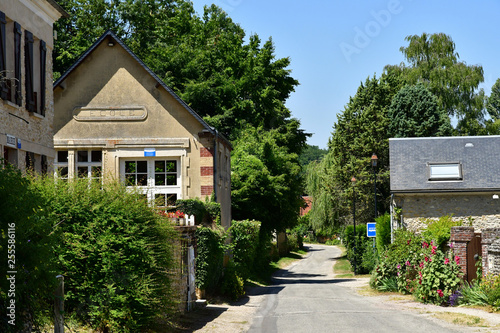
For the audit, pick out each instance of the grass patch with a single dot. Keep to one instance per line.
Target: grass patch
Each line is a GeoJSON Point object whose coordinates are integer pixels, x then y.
{"type": "Point", "coordinates": [287, 260]}
{"type": "Point", "coordinates": [462, 319]}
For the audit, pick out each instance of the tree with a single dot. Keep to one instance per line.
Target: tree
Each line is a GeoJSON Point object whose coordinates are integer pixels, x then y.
{"type": "Point", "coordinates": [311, 153]}
{"type": "Point", "coordinates": [265, 184]}
{"type": "Point", "coordinates": [493, 108]}
{"type": "Point", "coordinates": [433, 61]}
{"type": "Point", "coordinates": [414, 112]}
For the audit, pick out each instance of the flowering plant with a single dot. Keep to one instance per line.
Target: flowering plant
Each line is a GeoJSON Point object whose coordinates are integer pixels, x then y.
{"type": "Point", "coordinates": [171, 215]}
{"type": "Point", "coordinates": [438, 277]}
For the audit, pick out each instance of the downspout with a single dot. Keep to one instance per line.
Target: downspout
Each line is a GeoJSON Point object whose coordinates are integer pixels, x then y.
{"type": "Point", "coordinates": [216, 154]}
{"type": "Point", "coordinates": [392, 219]}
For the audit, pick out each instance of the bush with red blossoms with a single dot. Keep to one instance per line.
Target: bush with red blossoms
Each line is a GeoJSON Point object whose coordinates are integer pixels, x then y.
{"type": "Point", "coordinates": [439, 277]}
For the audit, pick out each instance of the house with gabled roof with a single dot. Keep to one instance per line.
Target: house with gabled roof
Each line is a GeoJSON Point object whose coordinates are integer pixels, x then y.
{"type": "Point", "coordinates": [459, 176]}
{"type": "Point", "coordinates": [454, 176]}
{"type": "Point", "coordinates": [115, 118]}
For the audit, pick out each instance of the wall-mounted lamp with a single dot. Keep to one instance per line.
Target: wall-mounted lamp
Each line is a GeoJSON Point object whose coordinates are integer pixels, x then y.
{"type": "Point", "coordinates": [111, 43]}
{"type": "Point", "coordinates": [495, 196]}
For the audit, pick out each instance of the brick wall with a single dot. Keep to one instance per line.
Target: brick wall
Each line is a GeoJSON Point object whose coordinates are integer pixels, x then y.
{"type": "Point", "coordinates": [459, 237]}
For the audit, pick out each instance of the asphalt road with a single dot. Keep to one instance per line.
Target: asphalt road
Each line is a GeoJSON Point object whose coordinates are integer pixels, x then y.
{"type": "Point", "coordinates": [307, 298]}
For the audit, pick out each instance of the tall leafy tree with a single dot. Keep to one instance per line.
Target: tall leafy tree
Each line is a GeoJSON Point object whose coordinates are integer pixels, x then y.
{"type": "Point", "coordinates": [432, 60]}
{"type": "Point", "coordinates": [415, 112]}
{"type": "Point", "coordinates": [493, 108]}
{"type": "Point", "coordinates": [266, 180]}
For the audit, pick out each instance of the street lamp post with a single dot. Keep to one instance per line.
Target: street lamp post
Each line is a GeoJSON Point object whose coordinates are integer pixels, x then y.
{"type": "Point", "coordinates": [353, 182]}
{"type": "Point", "coordinates": [374, 167]}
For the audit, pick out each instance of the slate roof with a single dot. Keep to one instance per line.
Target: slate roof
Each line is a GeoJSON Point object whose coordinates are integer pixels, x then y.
{"type": "Point", "coordinates": [478, 155]}
{"type": "Point", "coordinates": [111, 36]}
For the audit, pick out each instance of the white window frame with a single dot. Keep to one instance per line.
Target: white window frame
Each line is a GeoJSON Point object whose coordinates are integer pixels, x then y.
{"type": "Point", "coordinates": [90, 165]}
{"type": "Point", "coordinates": [445, 171]}
{"type": "Point", "coordinates": [151, 190]}
{"type": "Point", "coordinates": [61, 164]}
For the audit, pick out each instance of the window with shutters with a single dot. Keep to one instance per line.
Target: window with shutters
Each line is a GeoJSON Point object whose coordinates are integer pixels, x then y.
{"type": "Point", "coordinates": [30, 98]}
{"type": "Point", "coordinates": [17, 64]}
{"type": "Point", "coordinates": [35, 57]}
{"type": "Point", "coordinates": [3, 56]}
{"type": "Point", "coordinates": [7, 58]}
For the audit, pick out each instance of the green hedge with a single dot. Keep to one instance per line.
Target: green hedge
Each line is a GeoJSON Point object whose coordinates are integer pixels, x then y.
{"type": "Point", "coordinates": [26, 234]}
{"type": "Point", "coordinates": [114, 252]}
{"type": "Point", "coordinates": [383, 228]}
{"type": "Point", "coordinates": [210, 256]}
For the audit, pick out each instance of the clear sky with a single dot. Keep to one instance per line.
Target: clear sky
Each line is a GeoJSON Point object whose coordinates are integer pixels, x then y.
{"type": "Point", "coordinates": [335, 44]}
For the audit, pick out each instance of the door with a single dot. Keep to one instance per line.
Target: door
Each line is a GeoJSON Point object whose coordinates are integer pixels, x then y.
{"type": "Point", "coordinates": [473, 256]}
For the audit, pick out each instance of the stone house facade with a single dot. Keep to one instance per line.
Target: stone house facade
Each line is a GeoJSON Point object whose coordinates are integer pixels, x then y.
{"type": "Point", "coordinates": [455, 176]}
{"type": "Point", "coordinates": [26, 100]}
{"type": "Point", "coordinates": [114, 118]}
{"type": "Point", "coordinates": [433, 177]}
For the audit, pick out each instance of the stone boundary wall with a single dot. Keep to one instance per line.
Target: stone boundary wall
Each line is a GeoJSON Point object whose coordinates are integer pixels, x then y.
{"type": "Point", "coordinates": [490, 248]}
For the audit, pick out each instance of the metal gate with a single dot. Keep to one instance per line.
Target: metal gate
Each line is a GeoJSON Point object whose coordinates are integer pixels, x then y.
{"type": "Point", "coordinates": [473, 255]}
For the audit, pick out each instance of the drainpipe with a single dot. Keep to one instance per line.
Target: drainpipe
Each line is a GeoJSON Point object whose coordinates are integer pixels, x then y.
{"type": "Point", "coordinates": [391, 212]}
{"type": "Point", "coordinates": [216, 155]}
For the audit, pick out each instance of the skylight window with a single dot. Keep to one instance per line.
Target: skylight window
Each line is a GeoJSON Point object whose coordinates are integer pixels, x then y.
{"type": "Point", "coordinates": [445, 171]}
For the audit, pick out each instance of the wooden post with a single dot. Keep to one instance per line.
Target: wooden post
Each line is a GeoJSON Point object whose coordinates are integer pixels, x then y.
{"type": "Point", "coordinates": [59, 306]}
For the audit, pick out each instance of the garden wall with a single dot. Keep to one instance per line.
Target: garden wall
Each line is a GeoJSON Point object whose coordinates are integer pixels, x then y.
{"type": "Point", "coordinates": [461, 240]}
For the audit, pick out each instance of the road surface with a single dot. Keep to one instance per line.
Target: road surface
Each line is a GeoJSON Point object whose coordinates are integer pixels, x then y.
{"type": "Point", "coordinates": [307, 298]}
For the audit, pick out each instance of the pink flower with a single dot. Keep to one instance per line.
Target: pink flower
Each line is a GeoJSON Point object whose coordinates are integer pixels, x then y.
{"type": "Point", "coordinates": [407, 263]}
{"type": "Point", "coordinates": [451, 245]}
{"type": "Point", "coordinates": [399, 266]}
{"type": "Point", "coordinates": [434, 249]}
{"type": "Point", "coordinates": [426, 259]}
{"type": "Point", "coordinates": [440, 293]}
{"type": "Point", "coordinates": [421, 264]}
{"type": "Point", "coordinates": [425, 245]}
{"type": "Point", "coordinates": [446, 261]}
{"type": "Point", "coordinates": [457, 260]}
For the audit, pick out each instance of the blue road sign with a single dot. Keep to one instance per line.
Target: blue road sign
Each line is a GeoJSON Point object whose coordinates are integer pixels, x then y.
{"type": "Point", "coordinates": [370, 230]}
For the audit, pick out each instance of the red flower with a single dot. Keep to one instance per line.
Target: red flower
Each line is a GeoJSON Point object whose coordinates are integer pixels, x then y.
{"type": "Point", "coordinates": [421, 264]}
{"type": "Point", "coordinates": [440, 293]}
{"type": "Point", "coordinates": [446, 261]}
{"type": "Point", "coordinates": [434, 249]}
{"type": "Point", "coordinates": [425, 245]}
{"type": "Point", "coordinates": [457, 260]}
{"type": "Point", "coordinates": [408, 242]}
{"type": "Point", "coordinates": [426, 259]}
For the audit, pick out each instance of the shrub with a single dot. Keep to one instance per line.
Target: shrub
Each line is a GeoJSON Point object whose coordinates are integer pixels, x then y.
{"type": "Point", "coordinates": [439, 230]}
{"type": "Point", "coordinates": [355, 258]}
{"type": "Point", "coordinates": [26, 234]}
{"type": "Point", "coordinates": [369, 258]}
{"type": "Point", "coordinates": [438, 276]}
{"type": "Point", "coordinates": [232, 283]}
{"type": "Point", "coordinates": [383, 228]}
{"type": "Point", "coordinates": [114, 253]}
{"type": "Point", "coordinates": [209, 261]}
{"type": "Point", "coordinates": [244, 243]}
{"type": "Point", "coordinates": [491, 287]}
{"type": "Point", "coordinates": [207, 212]}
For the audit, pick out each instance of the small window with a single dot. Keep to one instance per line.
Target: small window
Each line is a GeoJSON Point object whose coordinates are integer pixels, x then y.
{"type": "Point", "coordinates": [445, 171]}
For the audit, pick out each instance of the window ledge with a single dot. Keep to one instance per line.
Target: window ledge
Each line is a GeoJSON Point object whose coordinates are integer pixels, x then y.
{"type": "Point", "coordinates": [36, 115]}
{"type": "Point", "coordinates": [10, 104]}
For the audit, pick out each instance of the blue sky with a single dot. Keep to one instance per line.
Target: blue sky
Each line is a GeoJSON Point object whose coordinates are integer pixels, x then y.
{"type": "Point", "coordinates": [334, 45]}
